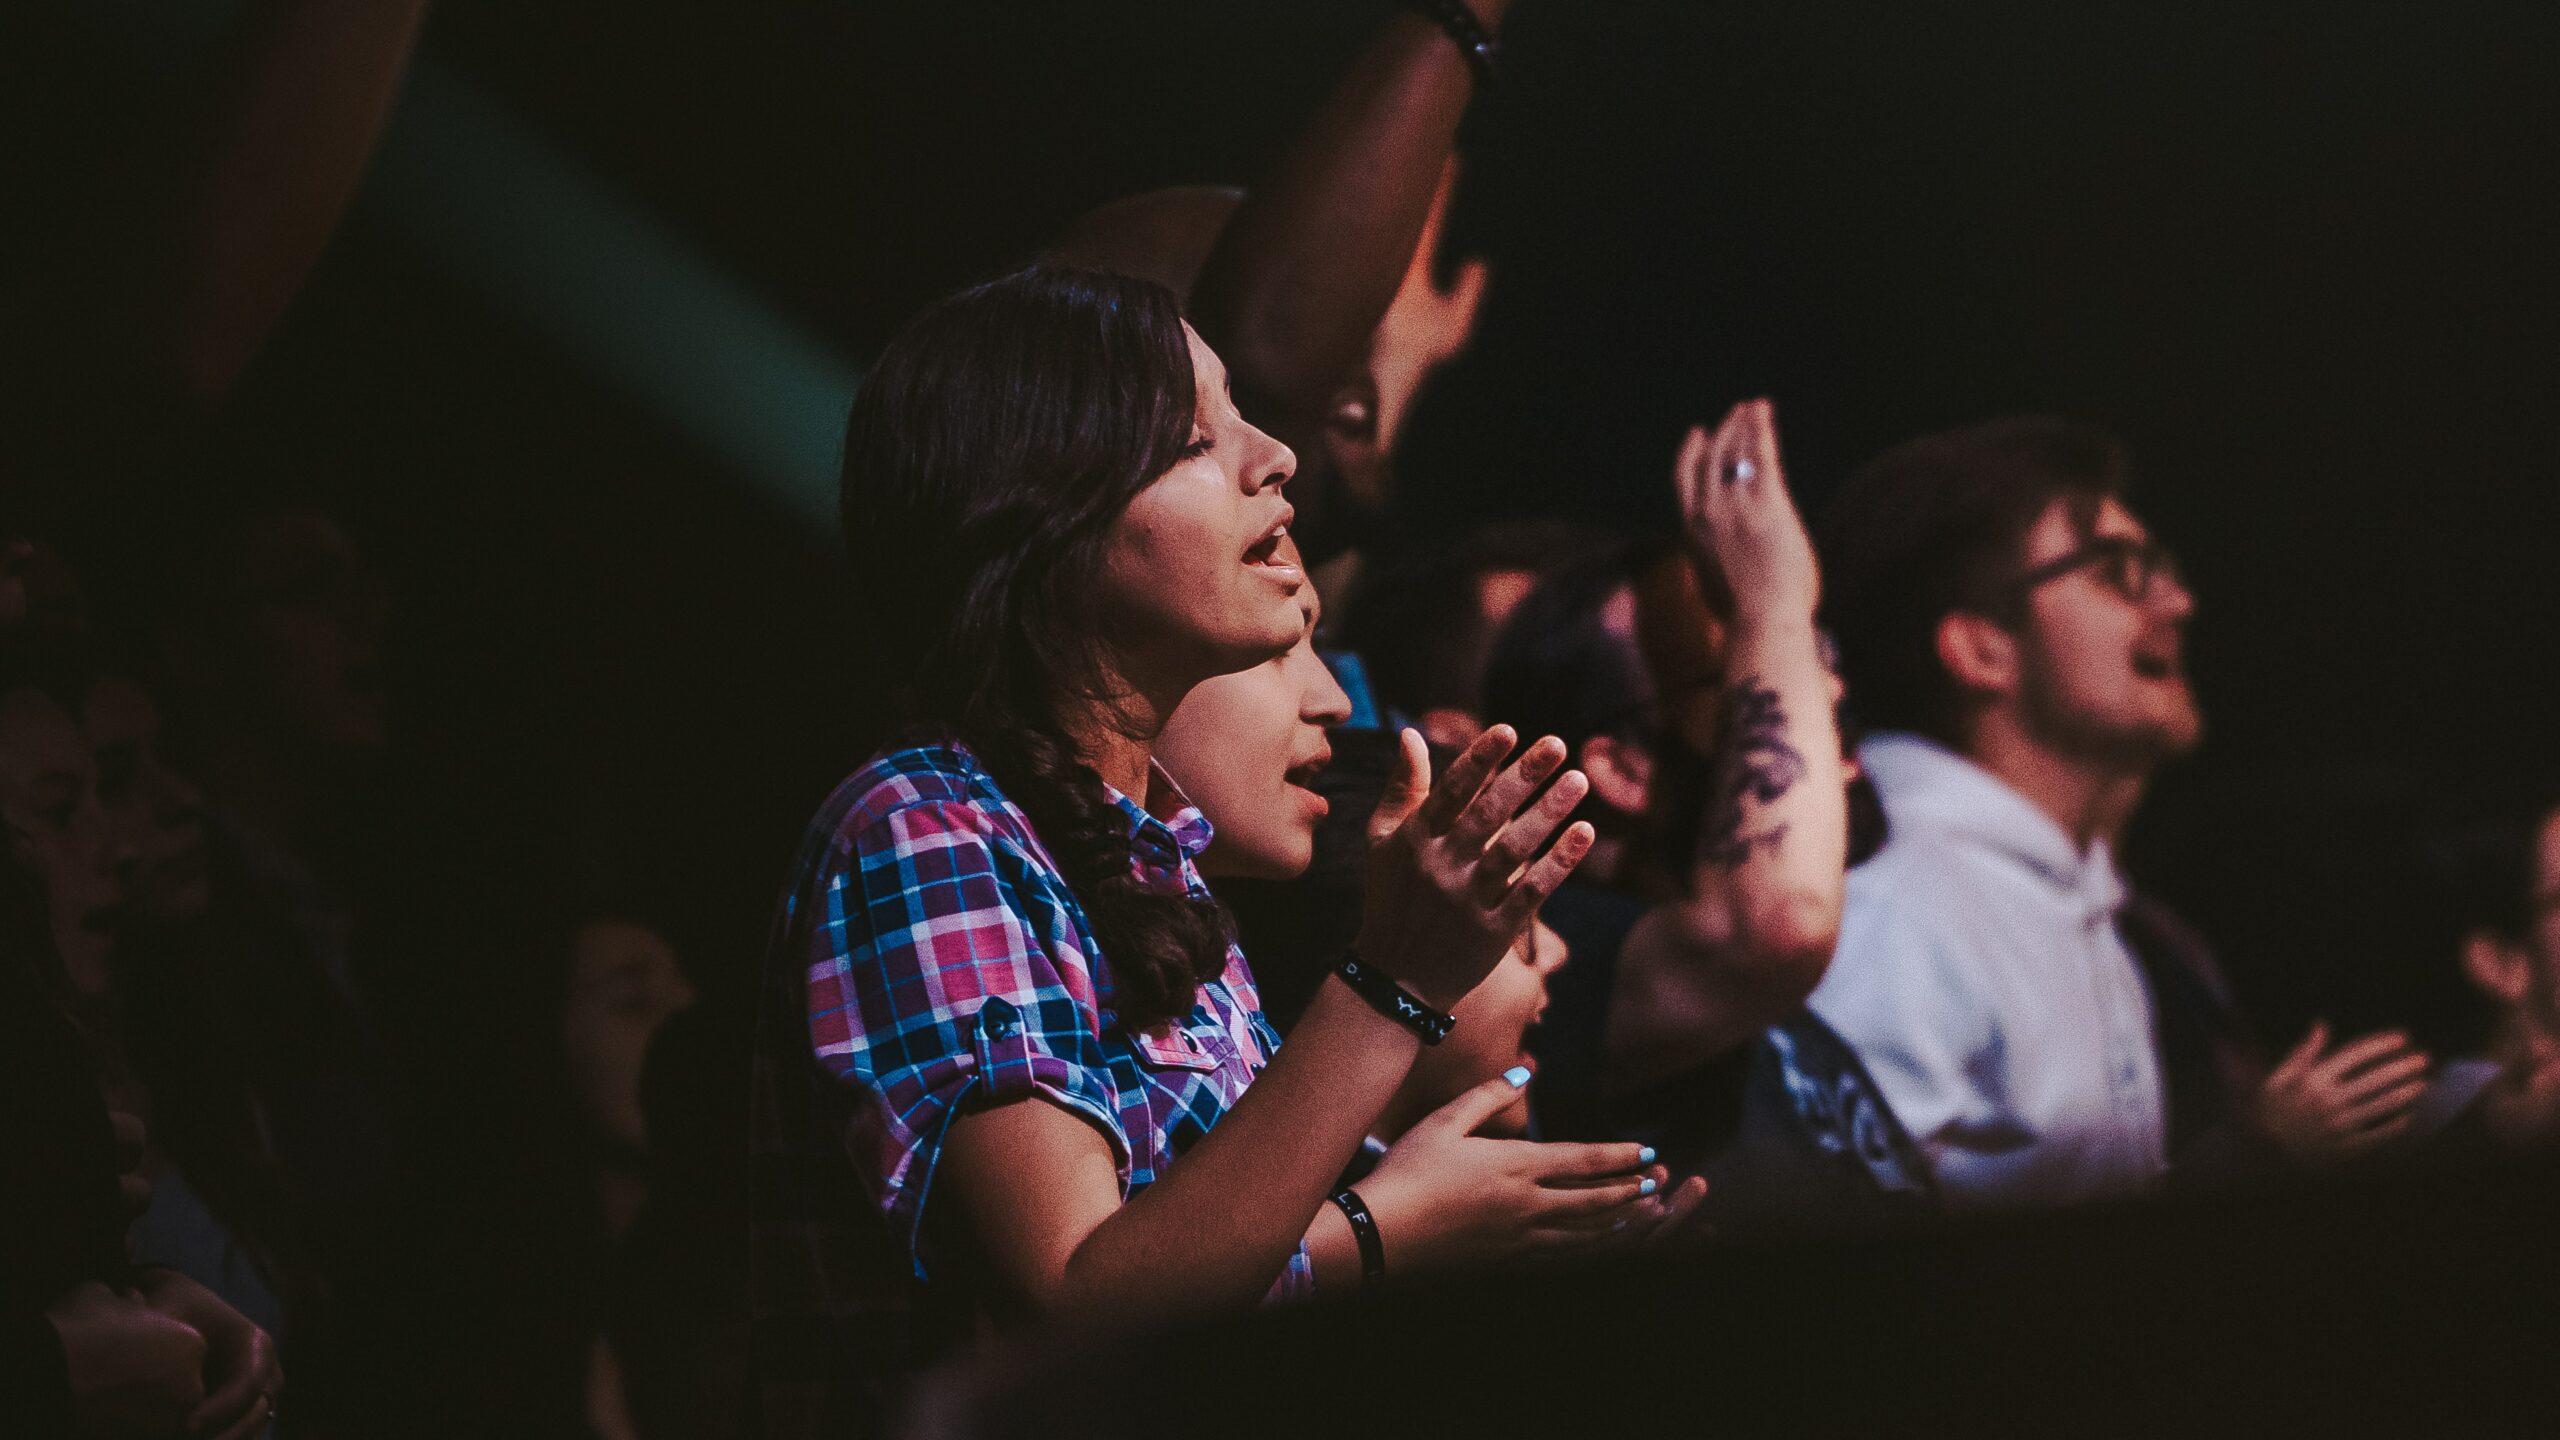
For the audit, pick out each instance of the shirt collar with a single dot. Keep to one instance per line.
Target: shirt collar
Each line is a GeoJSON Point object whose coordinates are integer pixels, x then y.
{"type": "Point", "coordinates": [1924, 785]}
{"type": "Point", "coordinates": [1169, 829]}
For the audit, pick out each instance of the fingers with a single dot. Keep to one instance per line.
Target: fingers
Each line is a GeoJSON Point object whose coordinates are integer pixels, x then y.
{"type": "Point", "coordinates": [1465, 295]}
{"type": "Point", "coordinates": [1543, 877]}
{"type": "Point", "coordinates": [1759, 437]}
{"type": "Point", "coordinates": [1474, 1107]}
{"type": "Point", "coordinates": [1677, 1208]}
{"type": "Point", "coordinates": [2374, 1109]}
{"type": "Point", "coordinates": [2355, 1055]}
{"type": "Point", "coordinates": [238, 1406]}
{"type": "Point", "coordinates": [1558, 1162]}
{"type": "Point", "coordinates": [2306, 1054]}
{"type": "Point", "coordinates": [1464, 777]}
{"type": "Point", "coordinates": [2389, 1075]}
{"type": "Point", "coordinates": [1502, 799]}
{"type": "Point", "coordinates": [251, 1424]}
{"type": "Point", "coordinates": [1689, 473]}
{"type": "Point", "coordinates": [1405, 789]}
{"type": "Point", "coordinates": [1521, 840]}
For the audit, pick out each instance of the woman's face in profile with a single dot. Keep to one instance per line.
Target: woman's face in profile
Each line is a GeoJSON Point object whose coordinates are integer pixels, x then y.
{"type": "Point", "coordinates": [1194, 580]}
{"type": "Point", "coordinates": [624, 982]}
{"type": "Point", "coordinates": [1493, 1027]}
{"type": "Point", "coordinates": [49, 797]}
{"type": "Point", "coordinates": [1247, 748]}
{"type": "Point", "coordinates": [153, 816]}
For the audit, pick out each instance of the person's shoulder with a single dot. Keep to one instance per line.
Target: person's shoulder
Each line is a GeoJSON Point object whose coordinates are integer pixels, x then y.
{"type": "Point", "coordinates": [1907, 910]}
{"type": "Point", "coordinates": [932, 775]}
{"type": "Point", "coordinates": [932, 788]}
{"type": "Point", "coordinates": [1918, 877]}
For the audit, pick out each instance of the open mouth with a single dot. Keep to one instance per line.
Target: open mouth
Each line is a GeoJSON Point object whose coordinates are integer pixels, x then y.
{"type": "Point", "coordinates": [1265, 550]}
{"type": "Point", "coordinates": [1304, 773]}
{"type": "Point", "coordinates": [2155, 666]}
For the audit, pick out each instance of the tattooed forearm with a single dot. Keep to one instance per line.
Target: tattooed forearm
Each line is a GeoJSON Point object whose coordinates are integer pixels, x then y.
{"type": "Point", "coordinates": [1755, 766]}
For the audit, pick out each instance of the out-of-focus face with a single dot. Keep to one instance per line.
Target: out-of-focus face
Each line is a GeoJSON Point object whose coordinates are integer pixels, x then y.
{"type": "Point", "coordinates": [1247, 748]}
{"type": "Point", "coordinates": [1194, 583]}
{"type": "Point", "coordinates": [1492, 1030]}
{"type": "Point", "coordinates": [2101, 674]}
{"type": "Point", "coordinates": [49, 798]}
{"type": "Point", "coordinates": [298, 638]}
{"type": "Point", "coordinates": [154, 818]}
{"type": "Point", "coordinates": [624, 982]}
{"type": "Point", "coordinates": [1497, 593]}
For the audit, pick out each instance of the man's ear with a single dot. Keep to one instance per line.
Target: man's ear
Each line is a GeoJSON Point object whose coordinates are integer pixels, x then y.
{"type": "Point", "coordinates": [1978, 653]}
{"type": "Point", "coordinates": [1621, 773]}
{"type": "Point", "coordinates": [2499, 967]}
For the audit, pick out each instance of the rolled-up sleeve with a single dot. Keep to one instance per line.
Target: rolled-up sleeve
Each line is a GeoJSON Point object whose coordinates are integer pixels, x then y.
{"type": "Point", "coordinates": [937, 984]}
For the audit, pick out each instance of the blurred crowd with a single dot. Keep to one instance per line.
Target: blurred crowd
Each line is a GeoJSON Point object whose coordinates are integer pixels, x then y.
{"type": "Point", "coordinates": [1229, 909]}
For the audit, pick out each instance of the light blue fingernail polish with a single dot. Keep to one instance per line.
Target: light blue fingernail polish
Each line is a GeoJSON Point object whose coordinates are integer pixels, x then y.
{"type": "Point", "coordinates": [1518, 1075]}
{"type": "Point", "coordinates": [1645, 1156]}
{"type": "Point", "coordinates": [1647, 1188]}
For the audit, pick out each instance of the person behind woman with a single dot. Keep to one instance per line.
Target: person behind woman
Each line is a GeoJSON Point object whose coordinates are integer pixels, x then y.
{"type": "Point", "coordinates": [121, 1350]}
{"type": "Point", "coordinates": [1059, 525]}
{"type": "Point", "coordinates": [1247, 748]}
{"type": "Point", "coordinates": [1709, 909]}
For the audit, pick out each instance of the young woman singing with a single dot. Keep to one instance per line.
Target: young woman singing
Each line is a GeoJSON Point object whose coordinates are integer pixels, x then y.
{"type": "Point", "coordinates": [1011, 1064]}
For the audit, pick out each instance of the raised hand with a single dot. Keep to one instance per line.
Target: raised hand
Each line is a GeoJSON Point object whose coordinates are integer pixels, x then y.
{"type": "Point", "coordinates": [2323, 1106]}
{"type": "Point", "coordinates": [1735, 508]}
{"type": "Point", "coordinates": [1445, 1195]}
{"type": "Point", "coordinates": [1457, 869]}
{"type": "Point", "coordinates": [1427, 325]}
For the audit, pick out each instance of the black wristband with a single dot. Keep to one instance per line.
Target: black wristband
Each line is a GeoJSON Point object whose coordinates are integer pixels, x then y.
{"type": "Point", "coordinates": [1474, 42]}
{"type": "Point", "coordinates": [1364, 1231]}
{"type": "Point", "coordinates": [1392, 1000]}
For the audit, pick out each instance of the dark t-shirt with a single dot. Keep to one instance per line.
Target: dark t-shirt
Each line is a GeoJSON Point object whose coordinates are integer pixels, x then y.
{"type": "Point", "coordinates": [1816, 1147]}
{"type": "Point", "coordinates": [1788, 1129]}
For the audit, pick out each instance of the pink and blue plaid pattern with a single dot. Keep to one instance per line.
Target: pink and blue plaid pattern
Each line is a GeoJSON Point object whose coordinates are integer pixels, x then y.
{"type": "Point", "coordinates": [928, 960]}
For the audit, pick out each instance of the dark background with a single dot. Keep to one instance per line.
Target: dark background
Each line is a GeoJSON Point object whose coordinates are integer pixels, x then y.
{"type": "Point", "coordinates": [2298, 254]}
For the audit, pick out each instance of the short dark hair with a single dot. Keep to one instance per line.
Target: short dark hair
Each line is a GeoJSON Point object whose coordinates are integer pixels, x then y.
{"type": "Point", "coordinates": [1938, 525]}
{"type": "Point", "coordinates": [1554, 668]}
{"type": "Point", "coordinates": [1417, 624]}
{"type": "Point", "coordinates": [2482, 864]}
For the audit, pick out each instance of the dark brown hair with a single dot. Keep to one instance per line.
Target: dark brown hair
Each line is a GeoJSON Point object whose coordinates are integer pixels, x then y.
{"type": "Point", "coordinates": [989, 452]}
{"type": "Point", "coordinates": [1939, 525]}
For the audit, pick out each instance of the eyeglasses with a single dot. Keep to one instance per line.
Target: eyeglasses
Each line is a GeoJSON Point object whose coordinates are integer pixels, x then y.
{"type": "Point", "coordinates": [2128, 567]}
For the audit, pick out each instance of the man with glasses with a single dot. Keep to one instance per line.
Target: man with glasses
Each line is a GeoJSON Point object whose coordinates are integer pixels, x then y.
{"type": "Point", "coordinates": [2015, 640]}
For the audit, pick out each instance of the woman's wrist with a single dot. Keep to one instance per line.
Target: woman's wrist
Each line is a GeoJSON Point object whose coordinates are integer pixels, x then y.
{"type": "Point", "coordinates": [1338, 1004]}
{"type": "Point", "coordinates": [1765, 624]}
{"type": "Point", "coordinates": [1385, 994]}
{"type": "Point", "coordinates": [1383, 960]}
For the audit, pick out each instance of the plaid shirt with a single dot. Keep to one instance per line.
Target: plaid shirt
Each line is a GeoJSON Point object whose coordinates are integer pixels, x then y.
{"type": "Point", "coordinates": [929, 960]}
